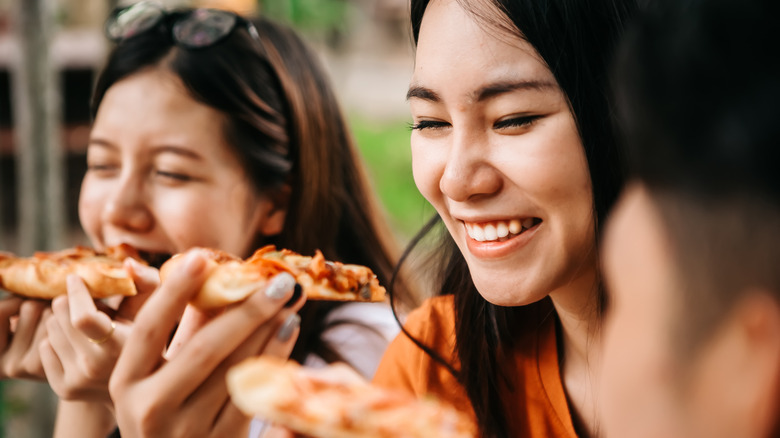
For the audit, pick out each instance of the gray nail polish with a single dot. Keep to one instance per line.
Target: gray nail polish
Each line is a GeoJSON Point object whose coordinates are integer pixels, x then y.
{"type": "Point", "coordinates": [280, 285]}
{"type": "Point", "coordinates": [288, 327]}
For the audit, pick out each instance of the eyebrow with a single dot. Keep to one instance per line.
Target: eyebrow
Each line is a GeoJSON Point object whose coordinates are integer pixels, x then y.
{"type": "Point", "coordinates": [156, 150]}
{"type": "Point", "coordinates": [484, 93]}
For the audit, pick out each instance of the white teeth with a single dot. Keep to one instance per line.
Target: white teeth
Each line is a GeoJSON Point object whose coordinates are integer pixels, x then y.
{"type": "Point", "coordinates": [477, 233]}
{"type": "Point", "coordinates": [501, 230]}
{"type": "Point", "coordinates": [490, 232]}
{"type": "Point", "coordinates": [497, 230]}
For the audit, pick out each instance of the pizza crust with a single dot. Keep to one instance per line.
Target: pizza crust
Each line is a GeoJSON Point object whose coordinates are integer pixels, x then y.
{"type": "Point", "coordinates": [44, 275]}
{"type": "Point", "coordinates": [312, 402]}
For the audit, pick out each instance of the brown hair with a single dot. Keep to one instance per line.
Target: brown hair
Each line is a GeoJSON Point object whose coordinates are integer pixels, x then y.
{"type": "Point", "coordinates": [283, 121]}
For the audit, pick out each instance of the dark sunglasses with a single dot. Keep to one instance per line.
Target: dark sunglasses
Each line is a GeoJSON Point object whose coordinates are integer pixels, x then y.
{"type": "Point", "coordinates": [193, 29]}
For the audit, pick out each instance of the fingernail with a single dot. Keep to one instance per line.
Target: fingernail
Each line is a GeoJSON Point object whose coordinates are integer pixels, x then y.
{"type": "Point", "coordinates": [297, 292]}
{"type": "Point", "coordinates": [288, 327]}
{"type": "Point", "coordinates": [279, 285]}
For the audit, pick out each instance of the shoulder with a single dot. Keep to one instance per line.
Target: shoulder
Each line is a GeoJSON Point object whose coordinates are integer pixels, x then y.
{"type": "Point", "coordinates": [432, 325]}
{"type": "Point", "coordinates": [434, 319]}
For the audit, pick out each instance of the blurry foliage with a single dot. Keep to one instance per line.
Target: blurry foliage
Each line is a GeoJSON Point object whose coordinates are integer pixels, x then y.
{"type": "Point", "coordinates": [328, 19]}
{"type": "Point", "coordinates": [385, 148]}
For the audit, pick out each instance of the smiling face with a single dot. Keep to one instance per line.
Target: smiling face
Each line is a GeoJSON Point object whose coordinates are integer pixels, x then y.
{"type": "Point", "coordinates": [162, 178]}
{"type": "Point", "coordinates": [496, 151]}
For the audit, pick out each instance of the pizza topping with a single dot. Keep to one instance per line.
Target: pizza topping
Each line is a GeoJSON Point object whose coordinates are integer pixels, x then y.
{"type": "Point", "coordinates": [230, 279]}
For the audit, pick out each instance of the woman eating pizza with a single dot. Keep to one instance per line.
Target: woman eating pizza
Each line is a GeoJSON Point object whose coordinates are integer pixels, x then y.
{"type": "Point", "coordinates": [210, 131]}
{"type": "Point", "coordinates": [512, 143]}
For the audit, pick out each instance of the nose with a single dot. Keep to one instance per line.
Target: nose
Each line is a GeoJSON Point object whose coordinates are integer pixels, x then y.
{"type": "Point", "coordinates": [469, 173]}
{"type": "Point", "coordinates": [127, 207]}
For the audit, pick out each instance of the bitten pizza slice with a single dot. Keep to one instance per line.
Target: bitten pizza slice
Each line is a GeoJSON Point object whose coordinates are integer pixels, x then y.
{"type": "Point", "coordinates": [44, 274]}
{"type": "Point", "coordinates": [231, 279]}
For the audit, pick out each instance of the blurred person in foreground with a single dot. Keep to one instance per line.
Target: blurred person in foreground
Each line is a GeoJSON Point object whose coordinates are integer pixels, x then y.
{"type": "Point", "coordinates": [692, 254]}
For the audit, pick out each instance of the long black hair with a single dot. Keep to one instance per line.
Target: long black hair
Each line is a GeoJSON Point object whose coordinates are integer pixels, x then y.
{"type": "Point", "coordinates": [576, 40]}
{"type": "Point", "coordinates": [282, 119]}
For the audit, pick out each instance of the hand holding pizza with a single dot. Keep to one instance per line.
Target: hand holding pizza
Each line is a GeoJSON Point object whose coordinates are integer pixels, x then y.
{"type": "Point", "coordinates": [84, 342]}
{"type": "Point", "coordinates": [185, 394]}
{"type": "Point", "coordinates": [22, 328]}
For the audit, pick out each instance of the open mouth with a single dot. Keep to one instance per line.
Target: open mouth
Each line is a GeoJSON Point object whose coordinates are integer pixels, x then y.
{"type": "Point", "coordinates": [154, 259]}
{"type": "Point", "coordinates": [500, 231]}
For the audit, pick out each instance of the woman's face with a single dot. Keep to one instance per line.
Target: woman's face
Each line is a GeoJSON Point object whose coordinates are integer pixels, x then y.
{"type": "Point", "coordinates": [496, 150]}
{"type": "Point", "coordinates": [162, 178]}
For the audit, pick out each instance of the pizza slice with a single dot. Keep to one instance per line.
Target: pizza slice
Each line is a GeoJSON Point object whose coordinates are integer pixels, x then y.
{"type": "Point", "coordinates": [321, 403]}
{"type": "Point", "coordinates": [231, 279]}
{"type": "Point", "coordinates": [44, 274]}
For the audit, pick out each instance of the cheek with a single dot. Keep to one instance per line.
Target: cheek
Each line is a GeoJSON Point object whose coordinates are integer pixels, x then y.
{"type": "Point", "coordinates": [91, 204]}
{"type": "Point", "coordinates": [427, 169]}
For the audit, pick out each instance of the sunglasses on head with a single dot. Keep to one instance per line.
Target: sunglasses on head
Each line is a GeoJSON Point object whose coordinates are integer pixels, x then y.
{"type": "Point", "coordinates": [193, 29]}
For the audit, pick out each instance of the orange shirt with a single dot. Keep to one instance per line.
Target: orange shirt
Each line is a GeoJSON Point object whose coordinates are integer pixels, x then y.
{"type": "Point", "coordinates": [536, 408]}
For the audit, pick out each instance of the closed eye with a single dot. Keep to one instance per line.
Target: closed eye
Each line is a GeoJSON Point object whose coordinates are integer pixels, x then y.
{"type": "Point", "coordinates": [177, 177]}
{"type": "Point", "coordinates": [102, 169]}
{"type": "Point", "coordinates": [516, 122]}
{"type": "Point", "coordinates": [428, 124]}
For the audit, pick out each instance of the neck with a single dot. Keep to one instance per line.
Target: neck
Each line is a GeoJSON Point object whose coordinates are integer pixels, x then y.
{"type": "Point", "coordinates": [577, 309]}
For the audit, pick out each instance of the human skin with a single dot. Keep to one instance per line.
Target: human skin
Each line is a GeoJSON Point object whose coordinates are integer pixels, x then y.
{"type": "Point", "coordinates": [495, 145]}
{"type": "Point", "coordinates": [724, 387]}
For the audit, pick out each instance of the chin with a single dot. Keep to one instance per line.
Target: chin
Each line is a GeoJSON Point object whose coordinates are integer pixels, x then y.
{"type": "Point", "coordinates": [505, 295]}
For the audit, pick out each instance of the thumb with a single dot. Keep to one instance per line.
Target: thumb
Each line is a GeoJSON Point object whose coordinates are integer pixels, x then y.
{"type": "Point", "coordinates": [147, 280]}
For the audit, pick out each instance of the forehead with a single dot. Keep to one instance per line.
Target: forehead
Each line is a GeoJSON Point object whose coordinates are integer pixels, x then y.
{"type": "Point", "coordinates": [457, 49]}
{"type": "Point", "coordinates": [153, 107]}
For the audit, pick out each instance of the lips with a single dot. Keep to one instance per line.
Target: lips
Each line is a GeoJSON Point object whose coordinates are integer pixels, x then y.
{"type": "Point", "coordinates": [499, 231]}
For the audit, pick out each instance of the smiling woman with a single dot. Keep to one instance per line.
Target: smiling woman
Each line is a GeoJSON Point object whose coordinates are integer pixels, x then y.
{"type": "Point", "coordinates": [161, 176]}
{"type": "Point", "coordinates": [212, 131]}
{"type": "Point", "coordinates": [512, 145]}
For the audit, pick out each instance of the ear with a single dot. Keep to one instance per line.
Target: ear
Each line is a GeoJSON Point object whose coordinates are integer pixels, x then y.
{"type": "Point", "coordinates": [271, 219]}
{"type": "Point", "coordinates": [754, 328]}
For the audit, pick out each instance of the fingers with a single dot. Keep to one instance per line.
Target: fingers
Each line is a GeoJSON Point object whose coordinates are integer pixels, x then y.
{"type": "Point", "coordinates": [8, 308]}
{"type": "Point", "coordinates": [192, 320]}
{"type": "Point", "coordinates": [155, 321]}
{"type": "Point", "coordinates": [31, 362]}
{"type": "Point", "coordinates": [52, 366]}
{"type": "Point", "coordinates": [281, 345]}
{"type": "Point", "coordinates": [218, 339]}
{"type": "Point", "coordinates": [83, 314]}
{"type": "Point", "coordinates": [30, 313]}
{"type": "Point", "coordinates": [283, 329]}
{"type": "Point", "coordinates": [147, 280]}
{"type": "Point", "coordinates": [59, 343]}
{"type": "Point", "coordinates": [231, 422]}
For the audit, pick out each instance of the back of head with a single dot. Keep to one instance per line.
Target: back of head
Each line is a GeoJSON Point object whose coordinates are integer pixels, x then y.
{"type": "Point", "coordinates": [698, 88]}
